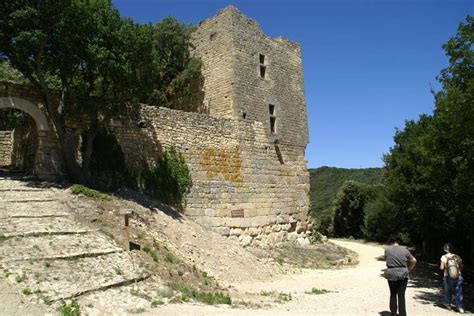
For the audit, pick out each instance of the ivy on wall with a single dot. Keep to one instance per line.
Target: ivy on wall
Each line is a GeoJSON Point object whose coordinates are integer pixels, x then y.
{"type": "Point", "coordinates": [169, 180]}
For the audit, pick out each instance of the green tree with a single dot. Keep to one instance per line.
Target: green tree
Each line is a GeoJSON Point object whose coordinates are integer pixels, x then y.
{"type": "Point", "coordinates": [80, 56]}
{"type": "Point", "coordinates": [430, 170]}
{"type": "Point", "coordinates": [380, 221]}
{"type": "Point", "coordinates": [179, 80]}
{"type": "Point", "coordinates": [349, 209]}
{"type": "Point", "coordinates": [88, 62]}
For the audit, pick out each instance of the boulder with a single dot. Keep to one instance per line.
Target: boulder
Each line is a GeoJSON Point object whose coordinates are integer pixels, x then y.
{"type": "Point", "coordinates": [245, 241]}
{"type": "Point", "coordinates": [303, 241]}
{"type": "Point", "coordinates": [224, 231]}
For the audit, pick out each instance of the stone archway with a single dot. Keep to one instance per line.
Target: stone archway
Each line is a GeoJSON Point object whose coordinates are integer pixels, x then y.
{"type": "Point", "coordinates": [46, 164]}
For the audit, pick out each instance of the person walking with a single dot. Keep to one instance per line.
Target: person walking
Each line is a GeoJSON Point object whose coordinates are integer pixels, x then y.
{"type": "Point", "coordinates": [399, 263]}
{"type": "Point", "coordinates": [451, 265]}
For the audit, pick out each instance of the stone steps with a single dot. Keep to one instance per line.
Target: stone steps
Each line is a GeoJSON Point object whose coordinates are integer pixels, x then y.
{"type": "Point", "coordinates": [50, 247]}
{"type": "Point", "coordinates": [64, 279]}
{"type": "Point", "coordinates": [25, 226]}
{"type": "Point", "coordinates": [30, 200]}
{"type": "Point", "coordinates": [27, 194]}
{"type": "Point", "coordinates": [44, 250]}
{"type": "Point", "coordinates": [48, 214]}
{"type": "Point", "coordinates": [24, 209]}
{"type": "Point", "coordinates": [21, 190]}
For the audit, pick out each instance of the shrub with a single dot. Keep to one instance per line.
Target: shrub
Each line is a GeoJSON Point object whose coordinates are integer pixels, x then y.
{"type": "Point", "coordinates": [170, 180]}
{"type": "Point", "coordinates": [72, 309]}
{"type": "Point", "coordinates": [81, 189]}
{"type": "Point", "coordinates": [317, 291]}
{"type": "Point", "coordinates": [210, 298]}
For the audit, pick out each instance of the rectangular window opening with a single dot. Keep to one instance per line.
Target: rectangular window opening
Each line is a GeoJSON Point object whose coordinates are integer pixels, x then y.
{"type": "Point", "coordinates": [271, 109]}
{"type": "Point", "coordinates": [272, 124]}
{"type": "Point", "coordinates": [262, 71]}
{"type": "Point", "coordinates": [262, 59]}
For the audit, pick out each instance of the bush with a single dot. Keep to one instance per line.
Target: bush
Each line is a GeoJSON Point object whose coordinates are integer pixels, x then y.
{"type": "Point", "coordinates": [81, 189]}
{"type": "Point", "coordinates": [210, 298]}
{"type": "Point", "coordinates": [72, 309]}
{"type": "Point", "coordinates": [170, 180]}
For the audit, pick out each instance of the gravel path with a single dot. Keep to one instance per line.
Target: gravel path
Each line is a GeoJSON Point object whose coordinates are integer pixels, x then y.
{"type": "Point", "coordinates": [353, 291]}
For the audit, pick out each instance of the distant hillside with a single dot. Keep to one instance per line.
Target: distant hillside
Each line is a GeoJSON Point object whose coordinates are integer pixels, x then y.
{"type": "Point", "coordinates": [326, 181]}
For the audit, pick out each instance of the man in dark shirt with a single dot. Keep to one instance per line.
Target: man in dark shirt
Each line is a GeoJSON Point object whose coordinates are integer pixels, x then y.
{"type": "Point", "coordinates": [399, 262]}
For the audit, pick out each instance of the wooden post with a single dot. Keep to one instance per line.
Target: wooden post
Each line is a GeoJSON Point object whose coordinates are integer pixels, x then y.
{"type": "Point", "coordinates": [126, 232]}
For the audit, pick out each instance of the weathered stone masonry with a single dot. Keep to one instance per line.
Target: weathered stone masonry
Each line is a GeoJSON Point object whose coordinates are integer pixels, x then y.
{"type": "Point", "coordinates": [47, 162]}
{"type": "Point", "coordinates": [250, 181]}
{"type": "Point", "coordinates": [235, 170]}
{"type": "Point", "coordinates": [6, 147]}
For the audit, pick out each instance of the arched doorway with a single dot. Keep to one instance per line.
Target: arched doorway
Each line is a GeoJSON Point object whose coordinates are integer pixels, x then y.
{"type": "Point", "coordinates": [43, 160]}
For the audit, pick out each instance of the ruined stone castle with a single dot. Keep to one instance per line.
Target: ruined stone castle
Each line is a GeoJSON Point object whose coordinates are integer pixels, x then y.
{"type": "Point", "coordinates": [246, 155]}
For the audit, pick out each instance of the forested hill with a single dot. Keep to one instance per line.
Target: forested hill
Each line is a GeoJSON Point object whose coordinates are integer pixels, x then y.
{"type": "Point", "coordinates": [326, 181]}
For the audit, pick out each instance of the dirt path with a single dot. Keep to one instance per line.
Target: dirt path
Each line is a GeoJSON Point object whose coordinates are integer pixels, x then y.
{"type": "Point", "coordinates": [353, 291]}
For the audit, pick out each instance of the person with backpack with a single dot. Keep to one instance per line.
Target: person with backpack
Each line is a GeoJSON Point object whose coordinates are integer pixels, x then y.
{"type": "Point", "coordinates": [451, 264]}
{"type": "Point", "coordinates": [399, 263]}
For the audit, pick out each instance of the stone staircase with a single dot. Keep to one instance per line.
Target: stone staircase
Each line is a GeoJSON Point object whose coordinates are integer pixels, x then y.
{"type": "Point", "coordinates": [46, 252]}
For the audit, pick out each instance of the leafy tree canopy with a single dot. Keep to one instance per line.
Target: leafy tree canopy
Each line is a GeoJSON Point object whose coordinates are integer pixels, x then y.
{"type": "Point", "coordinates": [430, 170]}
{"type": "Point", "coordinates": [84, 59]}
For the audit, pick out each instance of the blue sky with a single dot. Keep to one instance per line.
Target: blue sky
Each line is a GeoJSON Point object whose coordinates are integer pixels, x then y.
{"type": "Point", "coordinates": [368, 64]}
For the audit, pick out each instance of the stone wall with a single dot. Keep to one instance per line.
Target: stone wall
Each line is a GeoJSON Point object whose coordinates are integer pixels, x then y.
{"type": "Point", "coordinates": [6, 147]}
{"type": "Point", "coordinates": [235, 170]}
{"type": "Point", "coordinates": [25, 146]}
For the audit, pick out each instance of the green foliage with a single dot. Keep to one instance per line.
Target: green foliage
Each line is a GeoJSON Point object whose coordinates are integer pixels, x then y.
{"type": "Point", "coordinates": [283, 297]}
{"type": "Point", "coordinates": [280, 297]}
{"type": "Point", "coordinates": [317, 291]}
{"type": "Point", "coordinates": [325, 222]}
{"type": "Point", "coordinates": [88, 61]}
{"type": "Point", "coordinates": [170, 180]}
{"type": "Point", "coordinates": [12, 118]}
{"type": "Point", "coordinates": [26, 291]}
{"type": "Point", "coordinates": [430, 170]}
{"type": "Point", "coordinates": [169, 258]}
{"type": "Point", "coordinates": [179, 79]}
{"type": "Point", "coordinates": [81, 189]}
{"type": "Point", "coordinates": [10, 74]}
{"type": "Point", "coordinates": [210, 298]}
{"type": "Point", "coordinates": [72, 309]}
{"type": "Point", "coordinates": [325, 183]}
{"type": "Point", "coordinates": [349, 209]}
{"type": "Point", "coordinates": [20, 278]}
{"type": "Point", "coordinates": [152, 253]}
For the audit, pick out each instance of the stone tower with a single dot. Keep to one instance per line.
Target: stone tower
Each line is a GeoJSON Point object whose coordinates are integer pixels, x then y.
{"type": "Point", "coordinates": [252, 77]}
{"type": "Point", "coordinates": [254, 84]}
